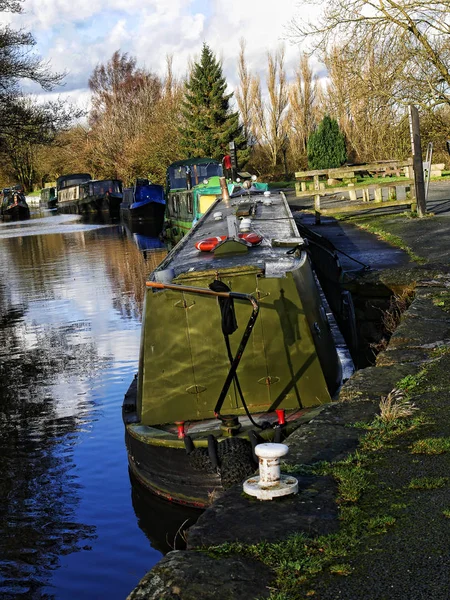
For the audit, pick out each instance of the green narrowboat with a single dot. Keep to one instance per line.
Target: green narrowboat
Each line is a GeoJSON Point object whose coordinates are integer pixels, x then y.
{"type": "Point", "coordinates": [192, 185]}
{"type": "Point", "coordinates": [48, 198]}
{"type": "Point", "coordinates": [236, 348]}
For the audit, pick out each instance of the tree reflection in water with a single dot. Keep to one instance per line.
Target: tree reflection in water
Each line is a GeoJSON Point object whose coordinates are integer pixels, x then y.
{"type": "Point", "coordinates": [70, 309]}
{"type": "Point", "coordinates": [37, 492]}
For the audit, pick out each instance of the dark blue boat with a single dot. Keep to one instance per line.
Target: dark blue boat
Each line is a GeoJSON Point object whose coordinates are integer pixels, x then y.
{"type": "Point", "coordinates": [145, 201]}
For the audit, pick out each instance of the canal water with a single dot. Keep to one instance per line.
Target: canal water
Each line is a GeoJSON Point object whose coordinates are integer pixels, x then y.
{"type": "Point", "coordinates": [72, 523]}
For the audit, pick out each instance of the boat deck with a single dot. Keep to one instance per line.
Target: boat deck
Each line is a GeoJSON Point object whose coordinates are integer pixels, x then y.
{"type": "Point", "coordinates": [271, 218]}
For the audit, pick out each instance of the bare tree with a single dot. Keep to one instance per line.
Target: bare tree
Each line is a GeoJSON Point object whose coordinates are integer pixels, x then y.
{"type": "Point", "coordinates": [364, 81]}
{"type": "Point", "coordinates": [302, 114]}
{"type": "Point", "coordinates": [421, 29]}
{"type": "Point", "coordinates": [244, 93]}
{"type": "Point", "coordinates": [270, 124]}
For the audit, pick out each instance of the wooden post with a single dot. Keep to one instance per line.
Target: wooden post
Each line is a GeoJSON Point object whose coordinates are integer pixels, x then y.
{"type": "Point", "coordinates": [392, 192]}
{"type": "Point", "coordinates": [416, 146]}
{"type": "Point", "coordinates": [317, 199]}
{"type": "Point", "coordinates": [378, 194]}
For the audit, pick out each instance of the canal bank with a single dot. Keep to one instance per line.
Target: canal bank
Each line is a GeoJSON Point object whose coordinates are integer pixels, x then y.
{"type": "Point", "coordinates": [371, 516]}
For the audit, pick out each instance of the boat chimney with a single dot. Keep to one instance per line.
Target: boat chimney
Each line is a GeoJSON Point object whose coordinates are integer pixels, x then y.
{"type": "Point", "coordinates": [224, 188]}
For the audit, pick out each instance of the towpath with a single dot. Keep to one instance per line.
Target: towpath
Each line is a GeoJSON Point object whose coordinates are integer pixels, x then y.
{"type": "Point", "coordinates": [373, 521]}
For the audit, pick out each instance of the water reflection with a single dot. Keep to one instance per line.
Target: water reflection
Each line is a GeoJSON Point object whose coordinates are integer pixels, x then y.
{"type": "Point", "coordinates": [71, 297]}
{"type": "Point", "coordinates": [38, 494]}
{"type": "Point", "coordinates": [163, 523]}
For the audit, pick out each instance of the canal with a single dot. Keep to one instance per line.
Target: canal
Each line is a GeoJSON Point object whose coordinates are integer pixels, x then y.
{"type": "Point", "coordinates": [72, 523]}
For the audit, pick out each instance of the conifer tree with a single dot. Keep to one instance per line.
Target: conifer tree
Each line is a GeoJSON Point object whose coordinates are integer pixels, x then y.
{"type": "Point", "coordinates": [208, 122]}
{"type": "Point", "coordinates": [326, 146]}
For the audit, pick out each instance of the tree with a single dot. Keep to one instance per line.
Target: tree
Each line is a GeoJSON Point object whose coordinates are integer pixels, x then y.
{"type": "Point", "coordinates": [419, 28]}
{"type": "Point", "coordinates": [326, 146]}
{"type": "Point", "coordinates": [26, 124]}
{"type": "Point", "coordinates": [123, 98]}
{"type": "Point", "coordinates": [303, 108]}
{"type": "Point", "coordinates": [39, 126]}
{"type": "Point", "coordinates": [270, 116]}
{"type": "Point", "coordinates": [244, 94]}
{"type": "Point", "coordinates": [208, 122]}
{"type": "Point", "coordinates": [117, 83]}
{"type": "Point", "coordinates": [16, 64]}
{"type": "Point", "coordinates": [360, 95]}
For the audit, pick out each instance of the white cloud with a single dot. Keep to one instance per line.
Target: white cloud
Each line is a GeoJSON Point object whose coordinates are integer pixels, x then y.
{"type": "Point", "coordinates": [76, 36]}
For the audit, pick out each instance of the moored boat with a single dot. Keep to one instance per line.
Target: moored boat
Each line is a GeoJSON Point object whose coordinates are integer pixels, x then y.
{"type": "Point", "coordinates": [14, 204]}
{"type": "Point", "coordinates": [192, 185]}
{"type": "Point", "coordinates": [48, 198]}
{"type": "Point", "coordinates": [236, 349]}
{"type": "Point", "coordinates": [68, 191]}
{"type": "Point", "coordinates": [145, 201]}
{"type": "Point", "coordinates": [101, 195]}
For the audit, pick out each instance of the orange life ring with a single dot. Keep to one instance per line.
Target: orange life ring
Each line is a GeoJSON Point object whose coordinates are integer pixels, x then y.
{"type": "Point", "coordinates": [252, 238]}
{"type": "Point", "coordinates": [208, 244]}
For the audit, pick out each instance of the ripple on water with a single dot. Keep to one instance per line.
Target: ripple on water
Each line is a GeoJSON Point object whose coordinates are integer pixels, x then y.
{"type": "Point", "coordinates": [71, 297]}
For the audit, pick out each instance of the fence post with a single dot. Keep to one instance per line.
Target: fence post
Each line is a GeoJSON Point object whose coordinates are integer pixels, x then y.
{"type": "Point", "coordinates": [317, 199]}
{"type": "Point", "coordinates": [378, 194]}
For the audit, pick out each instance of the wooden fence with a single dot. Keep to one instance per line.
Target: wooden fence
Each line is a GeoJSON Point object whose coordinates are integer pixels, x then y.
{"type": "Point", "coordinates": [361, 196]}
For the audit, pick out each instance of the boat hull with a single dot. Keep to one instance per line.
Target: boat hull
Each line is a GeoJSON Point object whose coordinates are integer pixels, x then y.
{"type": "Point", "coordinates": [144, 211]}
{"type": "Point", "coordinates": [17, 212]}
{"type": "Point", "coordinates": [159, 460]}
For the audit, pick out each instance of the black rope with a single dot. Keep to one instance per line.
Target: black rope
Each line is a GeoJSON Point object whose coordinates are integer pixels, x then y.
{"type": "Point", "coordinates": [229, 323]}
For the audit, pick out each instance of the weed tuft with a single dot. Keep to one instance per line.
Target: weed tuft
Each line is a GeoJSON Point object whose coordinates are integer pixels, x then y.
{"type": "Point", "coordinates": [428, 483]}
{"type": "Point", "coordinates": [341, 569]}
{"type": "Point", "coordinates": [395, 406]}
{"type": "Point", "coordinates": [431, 446]}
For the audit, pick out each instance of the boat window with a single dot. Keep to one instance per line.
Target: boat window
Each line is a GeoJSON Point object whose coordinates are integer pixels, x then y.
{"type": "Point", "coordinates": [177, 177]}
{"type": "Point", "coordinates": [189, 203]}
{"type": "Point", "coordinates": [175, 202]}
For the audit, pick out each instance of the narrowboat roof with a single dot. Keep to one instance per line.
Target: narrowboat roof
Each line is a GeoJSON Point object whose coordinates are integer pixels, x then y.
{"type": "Point", "coordinates": [193, 161]}
{"type": "Point", "coordinates": [271, 219]}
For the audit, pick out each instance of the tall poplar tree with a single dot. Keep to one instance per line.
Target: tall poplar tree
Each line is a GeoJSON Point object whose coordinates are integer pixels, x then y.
{"type": "Point", "coordinates": [209, 124]}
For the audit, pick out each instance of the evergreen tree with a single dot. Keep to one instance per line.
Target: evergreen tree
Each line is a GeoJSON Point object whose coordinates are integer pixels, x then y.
{"type": "Point", "coordinates": [208, 122]}
{"type": "Point", "coordinates": [326, 146]}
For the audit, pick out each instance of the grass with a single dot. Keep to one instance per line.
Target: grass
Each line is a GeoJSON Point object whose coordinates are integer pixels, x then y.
{"type": "Point", "coordinates": [367, 507]}
{"type": "Point", "coordinates": [431, 446]}
{"type": "Point", "coordinates": [392, 239]}
{"type": "Point", "coordinates": [442, 299]}
{"type": "Point", "coordinates": [428, 483]}
{"type": "Point", "coordinates": [396, 405]}
{"type": "Point", "coordinates": [341, 569]}
{"type": "Point", "coordinates": [297, 560]}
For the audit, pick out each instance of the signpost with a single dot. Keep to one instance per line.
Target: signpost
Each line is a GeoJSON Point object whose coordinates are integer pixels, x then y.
{"type": "Point", "coordinates": [416, 147]}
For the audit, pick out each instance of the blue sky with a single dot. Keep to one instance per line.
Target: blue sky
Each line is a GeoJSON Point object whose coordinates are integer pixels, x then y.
{"type": "Point", "coordinates": [76, 35]}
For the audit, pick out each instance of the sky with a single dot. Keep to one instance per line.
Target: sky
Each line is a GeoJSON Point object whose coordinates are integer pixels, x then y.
{"type": "Point", "coordinates": [76, 35]}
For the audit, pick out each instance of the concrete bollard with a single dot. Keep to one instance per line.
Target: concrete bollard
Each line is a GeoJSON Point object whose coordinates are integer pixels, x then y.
{"type": "Point", "coordinates": [378, 194]}
{"type": "Point", "coordinates": [270, 483]}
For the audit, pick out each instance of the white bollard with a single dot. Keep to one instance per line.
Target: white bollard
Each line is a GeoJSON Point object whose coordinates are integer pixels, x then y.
{"type": "Point", "coordinates": [270, 483]}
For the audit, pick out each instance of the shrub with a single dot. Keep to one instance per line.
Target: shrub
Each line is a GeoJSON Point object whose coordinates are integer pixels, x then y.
{"type": "Point", "coordinates": [326, 146]}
